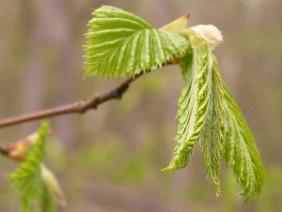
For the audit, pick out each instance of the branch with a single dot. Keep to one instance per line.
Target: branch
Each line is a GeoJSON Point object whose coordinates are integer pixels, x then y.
{"type": "Point", "coordinates": [77, 107]}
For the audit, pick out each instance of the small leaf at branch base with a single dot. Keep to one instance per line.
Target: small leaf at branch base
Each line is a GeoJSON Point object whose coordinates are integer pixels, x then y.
{"type": "Point", "coordinates": [27, 178]}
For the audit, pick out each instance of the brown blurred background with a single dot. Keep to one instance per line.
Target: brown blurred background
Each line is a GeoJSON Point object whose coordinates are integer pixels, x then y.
{"type": "Point", "coordinates": [110, 159]}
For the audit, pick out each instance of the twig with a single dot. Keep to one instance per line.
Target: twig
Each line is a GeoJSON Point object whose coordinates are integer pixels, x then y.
{"type": "Point", "coordinates": [77, 107]}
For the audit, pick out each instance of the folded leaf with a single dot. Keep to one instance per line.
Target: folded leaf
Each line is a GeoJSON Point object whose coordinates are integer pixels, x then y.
{"type": "Point", "coordinates": [119, 43]}
{"type": "Point", "coordinates": [208, 113]}
{"type": "Point", "coordinates": [240, 150]}
{"type": "Point", "coordinates": [211, 136]}
{"type": "Point", "coordinates": [53, 185]}
{"type": "Point", "coordinates": [192, 106]}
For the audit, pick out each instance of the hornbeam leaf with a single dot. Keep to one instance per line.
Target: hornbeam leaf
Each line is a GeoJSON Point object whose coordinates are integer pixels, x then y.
{"type": "Point", "coordinates": [192, 106]}
{"type": "Point", "coordinates": [240, 151]}
{"type": "Point", "coordinates": [119, 43]}
{"type": "Point", "coordinates": [211, 136]}
{"type": "Point", "coordinates": [208, 113]}
{"type": "Point", "coordinates": [28, 177]}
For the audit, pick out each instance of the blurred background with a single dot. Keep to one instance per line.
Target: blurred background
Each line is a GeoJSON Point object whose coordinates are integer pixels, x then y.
{"type": "Point", "coordinates": [110, 159]}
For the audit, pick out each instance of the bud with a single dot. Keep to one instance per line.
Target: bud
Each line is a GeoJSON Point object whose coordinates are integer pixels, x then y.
{"type": "Point", "coordinates": [53, 185]}
{"type": "Point", "coordinates": [18, 150]}
{"type": "Point", "coordinates": [177, 25]}
{"type": "Point", "coordinates": [209, 33]}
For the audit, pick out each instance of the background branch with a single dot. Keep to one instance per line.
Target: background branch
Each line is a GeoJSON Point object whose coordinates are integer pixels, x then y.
{"type": "Point", "coordinates": [76, 107]}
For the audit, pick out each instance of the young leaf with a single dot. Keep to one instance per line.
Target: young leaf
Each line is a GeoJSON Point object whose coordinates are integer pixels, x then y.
{"type": "Point", "coordinates": [240, 150]}
{"type": "Point", "coordinates": [28, 177]}
{"type": "Point", "coordinates": [53, 185]}
{"type": "Point", "coordinates": [118, 44]}
{"type": "Point", "coordinates": [208, 113]}
{"type": "Point", "coordinates": [211, 136]}
{"type": "Point", "coordinates": [192, 106]}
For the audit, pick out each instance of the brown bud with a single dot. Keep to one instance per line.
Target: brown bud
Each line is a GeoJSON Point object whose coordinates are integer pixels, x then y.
{"type": "Point", "coordinates": [18, 150]}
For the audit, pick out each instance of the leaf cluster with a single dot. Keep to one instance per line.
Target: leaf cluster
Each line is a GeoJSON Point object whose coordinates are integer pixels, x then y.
{"type": "Point", "coordinates": [119, 43]}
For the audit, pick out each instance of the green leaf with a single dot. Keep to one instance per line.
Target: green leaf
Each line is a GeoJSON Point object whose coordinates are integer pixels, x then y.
{"type": "Point", "coordinates": [28, 177]}
{"type": "Point", "coordinates": [211, 136]}
{"type": "Point", "coordinates": [119, 43]}
{"type": "Point", "coordinates": [240, 151]}
{"type": "Point", "coordinates": [208, 113]}
{"type": "Point", "coordinates": [122, 44]}
{"type": "Point", "coordinates": [192, 106]}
